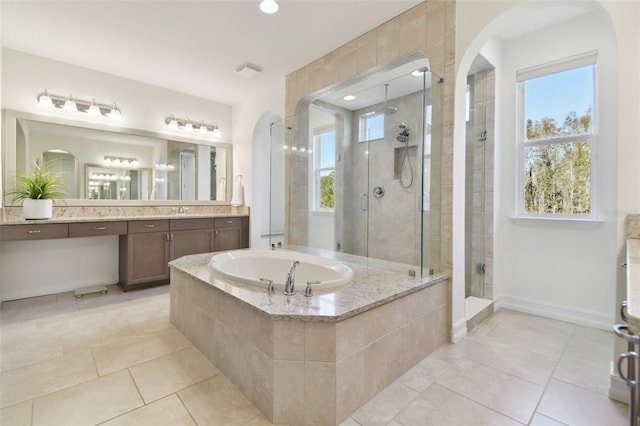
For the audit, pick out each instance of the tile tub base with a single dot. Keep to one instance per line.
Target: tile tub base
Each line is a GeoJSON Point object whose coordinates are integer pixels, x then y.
{"type": "Point", "coordinates": [308, 371]}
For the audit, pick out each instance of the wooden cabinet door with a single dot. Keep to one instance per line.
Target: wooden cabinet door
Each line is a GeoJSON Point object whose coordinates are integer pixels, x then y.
{"type": "Point", "coordinates": [194, 241]}
{"type": "Point", "coordinates": [229, 238]}
{"type": "Point", "coordinates": [147, 257]}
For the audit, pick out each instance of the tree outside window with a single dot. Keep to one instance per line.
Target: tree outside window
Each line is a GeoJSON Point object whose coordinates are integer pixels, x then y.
{"type": "Point", "coordinates": [557, 139]}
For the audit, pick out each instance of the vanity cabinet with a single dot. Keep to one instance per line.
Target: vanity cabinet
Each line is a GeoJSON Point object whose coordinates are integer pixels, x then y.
{"type": "Point", "coordinates": [150, 244]}
{"type": "Point", "coordinates": [42, 231]}
{"type": "Point", "coordinates": [144, 253]}
{"type": "Point", "coordinates": [191, 236]}
{"type": "Point", "coordinates": [228, 233]}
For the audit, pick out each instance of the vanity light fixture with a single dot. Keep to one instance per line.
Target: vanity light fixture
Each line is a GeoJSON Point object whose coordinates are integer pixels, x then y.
{"type": "Point", "coordinates": [74, 105]}
{"type": "Point", "coordinates": [269, 6]}
{"type": "Point", "coordinates": [187, 125]}
{"type": "Point", "coordinates": [165, 166]}
{"type": "Point", "coordinates": [120, 161]}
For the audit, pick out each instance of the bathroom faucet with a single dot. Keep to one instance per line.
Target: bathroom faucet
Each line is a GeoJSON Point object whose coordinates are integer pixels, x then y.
{"type": "Point", "coordinates": [182, 210]}
{"type": "Point", "coordinates": [290, 284]}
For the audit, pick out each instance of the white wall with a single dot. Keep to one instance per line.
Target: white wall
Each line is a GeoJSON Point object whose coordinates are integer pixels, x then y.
{"type": "Point", "coordinates": [555, 269]}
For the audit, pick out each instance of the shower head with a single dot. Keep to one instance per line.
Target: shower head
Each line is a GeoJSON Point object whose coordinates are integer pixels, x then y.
{"type": "Point", "coordinates": [403, 125]}
{"type": "Point", "coordinates": [387, 110]}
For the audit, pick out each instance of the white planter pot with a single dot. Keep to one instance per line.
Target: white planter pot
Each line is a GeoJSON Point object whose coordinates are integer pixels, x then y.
{"type": "Point", "coordinates": [37, 209]}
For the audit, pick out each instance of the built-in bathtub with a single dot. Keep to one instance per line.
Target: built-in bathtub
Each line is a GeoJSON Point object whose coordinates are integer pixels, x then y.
{"type": "Point", "coordinates": [255, 267]}
{"type": "Point", "coordinates": [311, 360]}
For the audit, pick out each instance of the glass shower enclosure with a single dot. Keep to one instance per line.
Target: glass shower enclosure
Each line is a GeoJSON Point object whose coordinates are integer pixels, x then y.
{"type": "Point", "coordinates": [362, 170]}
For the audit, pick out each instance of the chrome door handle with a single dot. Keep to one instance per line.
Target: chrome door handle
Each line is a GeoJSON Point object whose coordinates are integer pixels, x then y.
{"type": "Point", "coordinates": [37, 231]}
{"type": "Point", "coordinates": [631, 383]}
{"type": "Point", "coordinates": [622, 330]}
{"type": "Point", "coordinates": [623, 311]}
{"type": "Point", "coordinates": [364, 206]}
{"type": "Point", "coordinates": [99, 228]}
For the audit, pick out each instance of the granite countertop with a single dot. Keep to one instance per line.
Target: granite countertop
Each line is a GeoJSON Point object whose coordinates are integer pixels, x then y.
{"type": "Point", "coordinates": [633, 284]}
{"type": "Point", "coordinates": [117, 218]}
{"type": "Point", "coordinates": [375, 282]}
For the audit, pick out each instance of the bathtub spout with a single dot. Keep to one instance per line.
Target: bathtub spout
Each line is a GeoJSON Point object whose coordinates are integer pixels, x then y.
{"type": "Point", "coordinates": [290, 284]}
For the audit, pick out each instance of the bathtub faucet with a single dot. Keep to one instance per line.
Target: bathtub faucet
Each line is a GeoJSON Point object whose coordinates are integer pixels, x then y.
{"type": "Point", "coordinates": [290, 284]}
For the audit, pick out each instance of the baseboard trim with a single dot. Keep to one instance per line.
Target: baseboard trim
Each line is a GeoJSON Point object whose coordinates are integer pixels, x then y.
{"type": "Point", "coordinates": [555, 311]}
{"type": "Point", "coordinates": [618, 389]}
{"type": "Point", "coordinates": [459, 330]}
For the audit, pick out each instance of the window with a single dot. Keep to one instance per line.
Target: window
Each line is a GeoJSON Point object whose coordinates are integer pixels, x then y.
{"type": "Point", "coordinates": [557, 138]}
{"type": "Point", "coordinates": [324, 168]}
{"type": "Point", "coordinates": [371, 127]}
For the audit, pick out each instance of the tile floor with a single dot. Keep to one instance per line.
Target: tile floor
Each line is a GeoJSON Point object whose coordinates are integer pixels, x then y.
{"type": "Point", "coordinates": [115, 360]}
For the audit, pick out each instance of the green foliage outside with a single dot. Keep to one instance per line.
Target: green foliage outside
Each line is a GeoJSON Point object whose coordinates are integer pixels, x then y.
{"type": "Point", "coordinates": [557, 176]}
{"type": "Point", "coordinates": [326, 190]}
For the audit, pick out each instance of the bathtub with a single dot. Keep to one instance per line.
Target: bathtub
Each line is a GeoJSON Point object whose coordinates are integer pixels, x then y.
{"type": "Point", "coordinates": [248, 266]}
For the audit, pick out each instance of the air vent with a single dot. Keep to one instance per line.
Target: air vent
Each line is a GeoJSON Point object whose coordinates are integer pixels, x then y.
{"type": "Point", "coordinates": [248, 69]}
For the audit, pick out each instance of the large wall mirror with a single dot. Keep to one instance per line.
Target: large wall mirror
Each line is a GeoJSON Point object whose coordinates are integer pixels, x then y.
{"type": "Point", "coordinates": [102, 165]}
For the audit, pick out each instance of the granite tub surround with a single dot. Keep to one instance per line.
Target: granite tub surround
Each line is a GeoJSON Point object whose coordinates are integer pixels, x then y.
{"type": "Point", "coordinates": [13, 215]}
{"type": "Point", "coordinates": [311, 360]}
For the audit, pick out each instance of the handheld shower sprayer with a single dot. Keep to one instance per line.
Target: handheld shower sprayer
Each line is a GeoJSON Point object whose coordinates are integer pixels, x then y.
{"type": "Point", "coordinates": [403, 136]}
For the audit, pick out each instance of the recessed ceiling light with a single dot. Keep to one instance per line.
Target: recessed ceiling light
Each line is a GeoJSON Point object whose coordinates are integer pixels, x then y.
{"type": "Point", "coordinates": [269, 6]}
{"type": "Point", "coordinates": [349, 98]}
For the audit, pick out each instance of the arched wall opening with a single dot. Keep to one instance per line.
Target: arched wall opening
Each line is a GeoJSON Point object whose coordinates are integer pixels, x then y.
{"type": "Point", "coordinates": [550, 269]}
{"type": "Point", "coordinates": [261, 178]}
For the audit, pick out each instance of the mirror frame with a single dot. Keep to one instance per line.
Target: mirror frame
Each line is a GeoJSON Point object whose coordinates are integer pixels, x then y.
{"type": "Point", "coordinates": [8, 167]}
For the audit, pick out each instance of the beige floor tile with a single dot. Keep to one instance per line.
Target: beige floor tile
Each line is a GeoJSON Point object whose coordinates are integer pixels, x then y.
{"type": "Point", "coordinates": [505, 393]}
{"type": "Point", "coordinates": [39, 379]}
{"type": "Point", "coordinates": [217, 401]}
{"type": "Point", "coordinates": [535, 340]}
{"type": "Point", "coordinates": [515, 360]}
{"type": "Point", "coordinates": [591, 375]}
{"type": "Point", "coordinates": [138, 349]}
{"type": "Point", "coordinates": [171, 373]}
{"type": "Point", "coordinates": [592, 344]}
{"type": "Point", "coordinates": [165, 411]}
{"type": "Point", "coordinates": [384, 406]}
{"type": "Point", "coordinates": [540, 420]}
{"type": "Point", "coordinates": [32, 348]}
{"type": "Point", "coordinates": [420, 377]}
{"type": "Point", "coordinates": [16, 415]}
{"type": "Point", "coordinates": [439, 406]}
{"type": "Point", "coordinates": [350, 422]}
{"type": "Point", "coordinates": [574, 405]}
{"type": "Point", "coordinates": [88, 403]}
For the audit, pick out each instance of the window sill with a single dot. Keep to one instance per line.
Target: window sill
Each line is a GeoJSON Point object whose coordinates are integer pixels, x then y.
{"type": "Point", "coordinates": [564, 222]}
{"type": "Point", "coordinates": [323, 212]}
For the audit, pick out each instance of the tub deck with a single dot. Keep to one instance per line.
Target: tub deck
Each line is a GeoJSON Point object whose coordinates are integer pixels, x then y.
{"type": "Point", "coordinates": [312, 360]}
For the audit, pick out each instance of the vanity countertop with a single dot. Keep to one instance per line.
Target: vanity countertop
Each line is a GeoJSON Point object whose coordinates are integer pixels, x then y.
{"type": "Point", "coordinates": [375, 282]}
{"type": "Point", "coordinates": [116, 218]}
{"type": "Point", "coordinates": [633, 283]}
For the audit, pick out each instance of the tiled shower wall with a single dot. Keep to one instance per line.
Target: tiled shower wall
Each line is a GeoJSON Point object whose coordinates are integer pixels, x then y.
{"type": "Point", "coordinates": [479, 185]}
{"type": "Point", "coordinates": [428, 28]}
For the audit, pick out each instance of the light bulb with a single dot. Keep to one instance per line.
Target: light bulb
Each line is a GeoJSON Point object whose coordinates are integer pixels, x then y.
{"type": "Point", "coordinates": [269, 6]}
{"type": "Point", "coordinates": [216, 131]}
{"type": "Point", "coordinates": [203, 128]}
{"type": "Point", "coordinates": [115, 113]}
{"type": "Point", "coordinates": [45, 100]}
{"type": "Point", "coordinates": [70, 105]}
{"type": "Point", "coordinates": [94, 109]}
{"type": "Point", "coordinates": [173, 124]}
{"type": "Point", "coordinates": [188, 126]}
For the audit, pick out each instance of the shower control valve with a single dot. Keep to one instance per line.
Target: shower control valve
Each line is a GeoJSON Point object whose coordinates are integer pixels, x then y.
{"type": "Point", "coordinates": [378, 191]}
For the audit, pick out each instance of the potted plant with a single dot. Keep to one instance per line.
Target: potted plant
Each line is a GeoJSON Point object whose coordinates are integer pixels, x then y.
{"type": "Point", "coordinates": [37, 192]}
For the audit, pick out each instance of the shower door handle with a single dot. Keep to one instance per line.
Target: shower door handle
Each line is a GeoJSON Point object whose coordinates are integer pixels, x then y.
{"type": "Point", "coordinates": [364, 202]}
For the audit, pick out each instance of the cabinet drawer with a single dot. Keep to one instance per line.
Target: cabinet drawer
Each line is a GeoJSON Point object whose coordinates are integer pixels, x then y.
{"type": "Point", "coordinates": [185, 224]}
{"type": "Point", "coordinates": [224, 222]}
{"type": "Point", "coordinates": [138, 226]}
{"type": "Point", "coordinates": [92, 229]}
{"type": "Point", "coordinates": [34, 232]}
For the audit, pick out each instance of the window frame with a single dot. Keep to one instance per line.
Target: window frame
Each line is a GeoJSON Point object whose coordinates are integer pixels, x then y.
{"type": "Point", "coordinates": [566, 64]}
{"type": "Point", "coordinates": [362, 127]}
{"type": "Point", "coordinates": [317, 170]}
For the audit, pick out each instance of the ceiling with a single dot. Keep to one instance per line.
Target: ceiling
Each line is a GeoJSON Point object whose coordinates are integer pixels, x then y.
{"type": "Point", "coordinates": [191, 47]}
